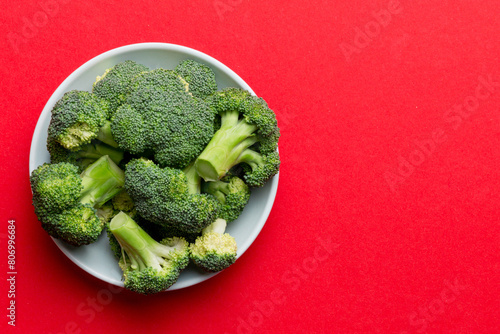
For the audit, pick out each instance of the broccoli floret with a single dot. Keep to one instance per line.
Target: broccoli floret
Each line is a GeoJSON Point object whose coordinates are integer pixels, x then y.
{"type": "Point", "coordinates": [129, 129]}
{"type": "Point", "coordinates": [232, 193]}
{"type": "Point", "coordinates": [163, 196]}
{"type": "Point", "coordinates": [66, 201]}
{"type": "Point", "coordinates": [106, 212]}
{"type": "Point", "coordinates": [55, 187]}
{"type": "Point", "coordinates": [148, 266]}
{"type": "Point", "coordinates": [123, 202]}
{"type": "Point", "coordinates": [78, 118]}
{"type": "Point", "coordinates": [113, 84]}
{"type": "Point", "coordinates": [160, 116]}
{"type": "Point", "coordinates": [248, 134]}
{"type": "Point", "coordinates": [200, 77]}
{"type": "Point", "coordinates": [84, 155]}
{"type": "Point", "coordinates": [214, 250]}
{"type": "Point", "coordinates": [78, 225]}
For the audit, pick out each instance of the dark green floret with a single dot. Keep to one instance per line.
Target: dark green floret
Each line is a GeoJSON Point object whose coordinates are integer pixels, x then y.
{"type": "Point", "coordinates": [232, 193]}
{"type": "Point", "coordinates": [148, 266]}
{"type": "Point", "coordinates": [214, 250]}
{"type": "Point", "coordinates": [200, 77]}
{"type": "Point", "coordinates": [66, 202]}
{"type": "Point", "coordinates": [55, 187]}
{"type": "Point", "coordinates": [113, 84]}
{"type": "Point", "coordinates": [78, 118]}
{"type": "Point", "coordinates": [248, 134]}
{"type": "Point", "coordinates": [164, 196]}
{"type": "Point", "coordinates": [162, 117]}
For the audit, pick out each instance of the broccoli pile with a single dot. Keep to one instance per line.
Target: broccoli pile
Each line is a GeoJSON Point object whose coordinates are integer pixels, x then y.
{"type": "Point", "coordinates": [162, 159]}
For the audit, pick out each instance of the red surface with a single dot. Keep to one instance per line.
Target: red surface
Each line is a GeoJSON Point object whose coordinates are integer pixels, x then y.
{"type": "Point", "coordinates": [390, 158]}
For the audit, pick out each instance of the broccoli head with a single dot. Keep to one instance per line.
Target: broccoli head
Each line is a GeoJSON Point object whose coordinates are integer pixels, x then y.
{"type": "Point", "coordinates": [200, 77]}
{"type": "Point", "coordinates": [78, 118]}
{"type": "Point", "coordinates": [55, 187]}
{"type": "Point", "coordinates": [66, 201]}
{"type": "Point", "coordinates": [214, 250]}
{"type": "Point", "coordinates": [232, 193]}
{"type": "Point", "coordinates": [162, 117]}
{"type": "Point", "coordinates": [163, 196]}
{"type": "Point", "coordinates": [248, 135]}
{"type": "Point", "coordinates": [148, 266]}
{"type": "Point", "coordinates": [113, 84]}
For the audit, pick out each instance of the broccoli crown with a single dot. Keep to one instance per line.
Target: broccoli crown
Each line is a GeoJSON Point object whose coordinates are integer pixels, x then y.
{"type": "Point", "coordinates": [163, 196]}
{"type": "Point", "coordinates": [214, 250]}
{"type": "Point", "coordinates": [65, 201]}
{"type": "Point", "coordinates": [113, 84]}
{"type": "Point", "coordinates": [162, 117]}
{"type": "Point", "coordinates": [233, 194]}
{"type": "Point", "coordinates": [148, 266]}
{"type": "Point", "coordinates": [55, 187]}
{"type": "Point", "coordinates": [77, 118]}
{"type": "Point", "coordinates": [123, 202]}
{"type": "Point", "coordinates": [200, 77]}
{"type": "Point", "coordinates": [129, 129]}
{"type": "Point", "coordinates": [78, 225]}
{"type": "Point", "coordinates": [248, 133]}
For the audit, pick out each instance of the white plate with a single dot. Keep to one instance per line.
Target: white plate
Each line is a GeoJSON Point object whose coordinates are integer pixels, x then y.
{"type": "Point", "coordinates": [97, 259]}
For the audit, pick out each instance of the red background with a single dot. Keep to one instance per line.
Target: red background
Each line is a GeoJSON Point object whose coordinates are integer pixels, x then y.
{"type": "Point", "coordinates": [390, 158]}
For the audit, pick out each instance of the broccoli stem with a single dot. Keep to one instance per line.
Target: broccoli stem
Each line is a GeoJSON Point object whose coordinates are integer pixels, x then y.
{"type": "Point", "coordinates": [142, 250]}
{"type": "Point", "coordinates": [106, 136]}
{"type": "Point", "coordinates": [224, 149]}
{"type": "Point", "coordinates": [101, 181]}
{"type": "Point", "coordinates": [218, 189]}
{"type": "Point", "coordinates": [218, 226]}
{"type": "Point", "coordinates": [252, 158]}
{"type": "Point", "coordinates": [194, 180]}
{"type": "Point", "coordinates": [95, 150]}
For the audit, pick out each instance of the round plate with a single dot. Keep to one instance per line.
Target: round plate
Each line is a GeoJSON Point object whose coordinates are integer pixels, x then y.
{"type": "Point", "coordinates": [97, 259]}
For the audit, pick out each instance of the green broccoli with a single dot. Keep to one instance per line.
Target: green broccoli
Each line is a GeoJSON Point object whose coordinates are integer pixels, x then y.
{"type": "Point", "coordinates": [78, 118]}
{"type": "Point", "coordinates": [123, 202]}
{"type": "Point", "coordinates": [66, 201]}
{"type": "Point", "coordinates": [106, 212]}
{"type": "Point", "coordinates": [200, 77]}
{"type": "Point", "coordinates": [148, 266]}
{"type": "Point", "coordinates": [85, 155]}
{"type": "Point", "coordinates": [164, 196]}
{"type": "Point", "coordinates": [113, 84]}
{"type": "Point", "coordinates": [248, 135]}
{"type": "Point", "coordinates": [161, 117]}
{"type": "Point", "coordinates": [232, 193]}
{"type": "Point", "coordinates": [214, 250]}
